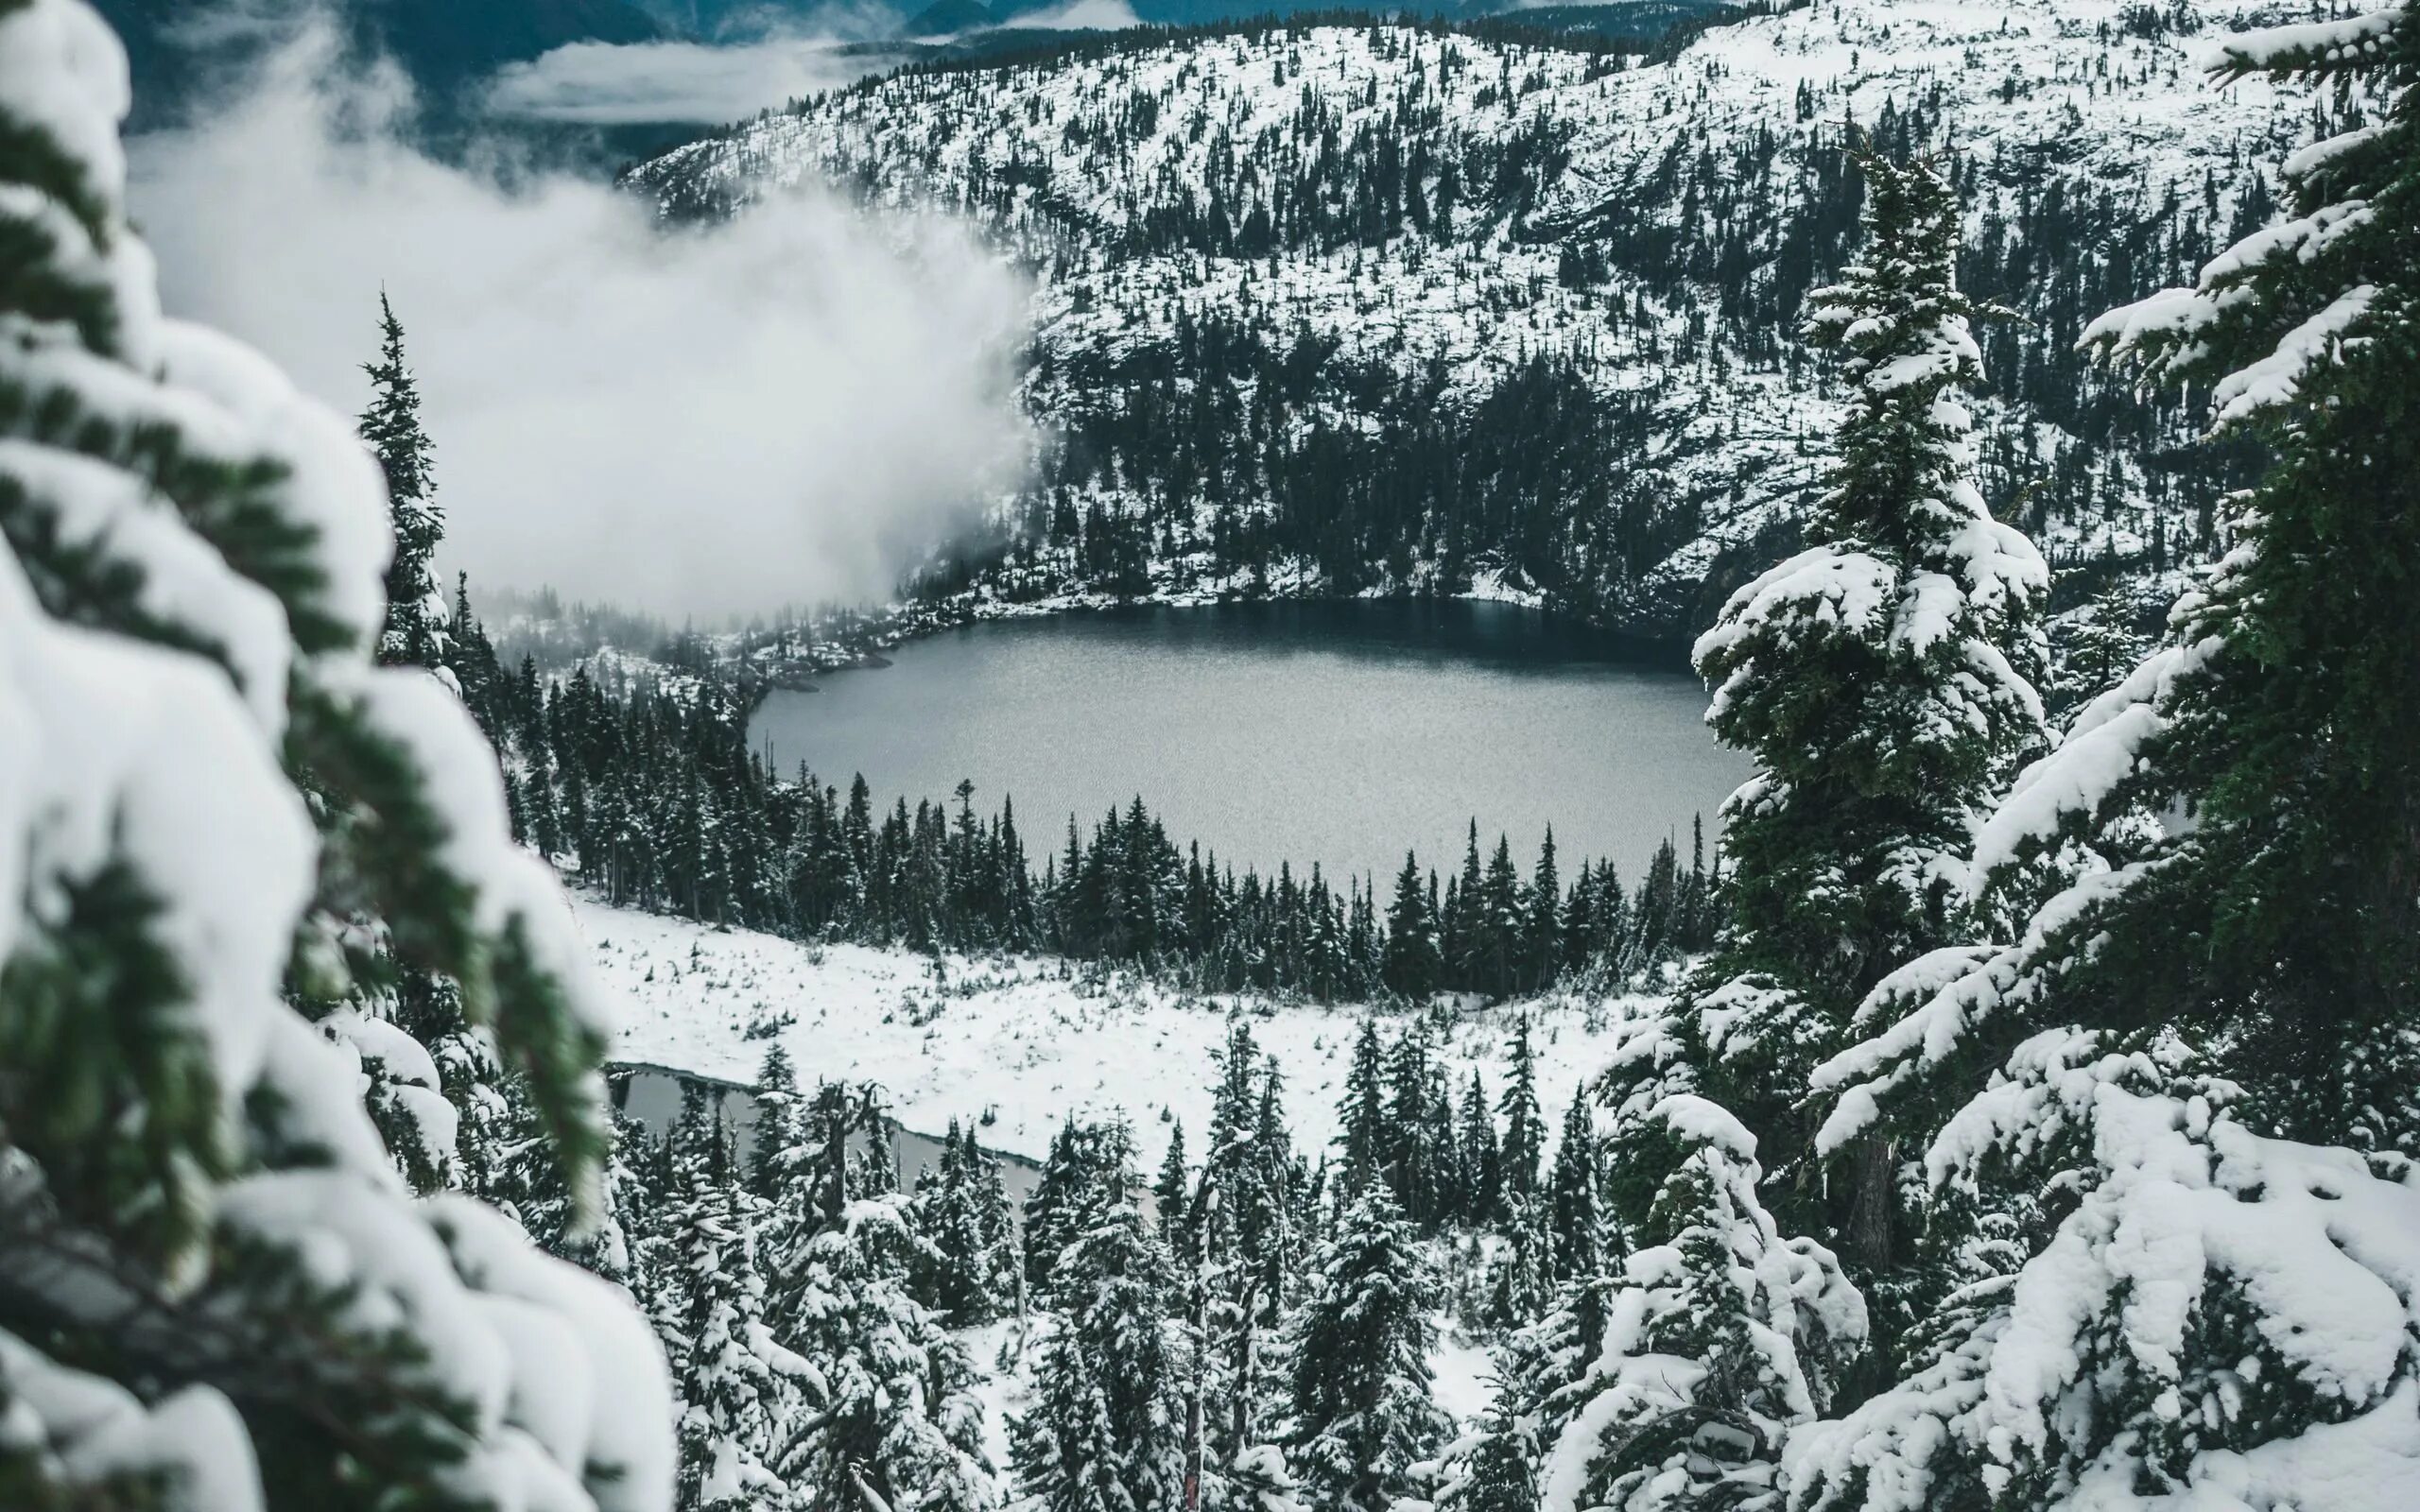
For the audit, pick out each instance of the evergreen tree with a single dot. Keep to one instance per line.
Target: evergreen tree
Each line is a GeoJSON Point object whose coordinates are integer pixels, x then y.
{"type": "Point", "coordinates": [1881, 676]}
{"type": "Point", "coordinates": [1482, 1161]}
{"type": "Point", "coordinates": [1414, 966]}
{"type": "Point", "coordinates": [1464, 930]}
{"type": "Point", "coordinates": [222, 823]}
{"type": "Point", "coordinates": [1719, 1338]}
{"type": "Point", "coordinates": [1364, 1413]}
{"type": "Point", "coordinates": [894, 1420]}
{"type": "Point", "coordinates": [2096, 645]}
{"type": "Point", "coordinates": [1172, 1195]}
{"type": "Point", "coordinates": [416, 617]}
{"type": "Point", "coordinates": [1362, 1118]}
{"type": "Point", "coordinates": [736, 1402]}
{"type": "Point", "coordinates": [777, 1123]}
{"type": "Point", "coordinates": [1524, 1145]}
{"type": "Point", "coordinates": [1412, 1164]}
{"type": "Point", "coordinates": [1520, 1276]}
{"type": "Point", "coordinates": [814, 1179]}
{"type": "Point", "coordinates": [2202, 1018]}
{"type": "Point", "coordinates": [1572, 1195]}
{"type": "Point", "coordinates": [1245, 1254]}
{"type": "Point", "coordinates": [1499, 1473]}
{"type": "Point", "coordinates": [2188, 1310]}
{"type": "Point", "coordinates": [1541, 1374]}
{"type": "Point", "coordinates": [1542, 933]}
{"type": "Point", "coordinates": [951, 1215]}
{"type": "Point", "coordinates": [1106, 1430]}
{"type": "Point", "coordinates": [1085, 1176]}
{"type": "Point", "coordinates": [1500, 929]}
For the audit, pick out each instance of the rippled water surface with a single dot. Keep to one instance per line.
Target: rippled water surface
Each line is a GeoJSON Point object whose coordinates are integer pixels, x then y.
{"type": "Point", "coordinates": [1338, 733]}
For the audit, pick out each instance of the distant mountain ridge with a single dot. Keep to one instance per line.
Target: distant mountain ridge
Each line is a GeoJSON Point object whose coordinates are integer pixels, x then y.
{"type": "Point", "coordinates": [718, 19]}
{"type": "Point", "coordinates": [1345, 306]}
{"type": "Point", "coordinates": [175, 46]}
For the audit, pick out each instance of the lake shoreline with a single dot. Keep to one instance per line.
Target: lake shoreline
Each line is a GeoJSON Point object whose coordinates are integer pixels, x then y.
{"type": "Point", "coordinates": [1230, 717]}
{"type": "Point", "coordinates": [722, 1086]}
{"type": "Point", "coordinates": [907, 621]}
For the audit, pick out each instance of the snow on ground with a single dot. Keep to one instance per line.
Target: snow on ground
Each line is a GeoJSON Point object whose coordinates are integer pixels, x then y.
{"type": "Point", "coordinates": [1024, 1041]}
{"type": "Point", "coordinates": [1027, 1040]}
{"type": "Point", "coordinates": [1001, 1352]}
{"type": "Point", "coordinates": [1465, 1377]}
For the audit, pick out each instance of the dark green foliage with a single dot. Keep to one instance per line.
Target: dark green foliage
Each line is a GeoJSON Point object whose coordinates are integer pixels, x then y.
{"type": "Point", "coordinates": [1362, 1412]}
{"type": "Point", "coordinates": [1882, 679]}
{"type": "Point", "coordinates": [1361, 1116]}
{"type": "Point", "coordinates": [1571, 1196]}
{"type": "Point", "coordinates": [213, 1276]}
{"type": "Point", "coordinates": [1106, 1432]}
{"type": "Point", "coordinates": [968, 1270]}
{"type": "Point", "coordinates": [1085, 1176]}
{"type": "Point", "coordinates": [2282, 920]}
{"type": "Point", "coordinates": [415, 630]}
{"type": "Point", "coordinates": [1524, 1147]}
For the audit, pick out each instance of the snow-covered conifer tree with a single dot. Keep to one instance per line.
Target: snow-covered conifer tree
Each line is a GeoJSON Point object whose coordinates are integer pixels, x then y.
{"type": "Point", "coordinates": [774, 1136]}
{"type": "Point", "coordinates": [1361, 1114]}
{"type": "Point", "coordinates": [2216, 1317]}
{"type": "Point", "coordinates": [1106, 1433]}
{"type": "Point", "coordinates": [1364, 1412]}
{"type": "Point", "coordinates": [1173, 1194]}
{"type": "Point", "coordinates": [1571, 1194]}
{"type": "Point", "coordinates": [215, 1292]}
{"type": "Point", "coordinates": [415, 632]}
{"type": "Point", "coordinates": [1522, 1149]}
{"type": "Point", "coordinates": [2181, 1086]}
{"type": "Point", "coordinates": [1242, 1262]}
{"type": "Point", "coordinates": [2240, 802]}
{"type": "Point", "coordinates": [1537, 1372]}
{"type": "Point", "coordinates": [1718, 1337]}
{"type": "Point", "coordinates": [1883, 677]}
{"type": "Point", "coordinates": [737, 1389]}
{"type": "Point", "coordinates": [1520, 1275]}
{"type": "Point", "coordinates": [891, 1420]}
{"type": "Point", "coordinates": [956, 1274]}
{"type": "Point", "coordinates": [1088, 1169]}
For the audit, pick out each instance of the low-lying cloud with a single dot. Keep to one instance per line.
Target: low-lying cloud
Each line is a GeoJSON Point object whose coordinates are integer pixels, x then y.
{"type": "Point", "coordinates": [1077, 15]}
{"type": "Point", "coordinates": [787, 408]}
{"type": "Point", "coordinates": [605, 84]}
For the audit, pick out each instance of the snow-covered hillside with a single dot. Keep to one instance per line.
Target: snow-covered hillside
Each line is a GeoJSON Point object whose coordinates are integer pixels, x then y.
{"type": "Point", "coordinates": [1416, 219]}
{"type": "Point", "coordinates": [1023, 1042]}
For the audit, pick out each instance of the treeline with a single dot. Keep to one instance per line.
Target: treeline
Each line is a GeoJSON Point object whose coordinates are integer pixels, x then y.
{"type": "Point", "coordinates": [651, 795]}
{"type": "Point", "coordinates": [1214, 1325]}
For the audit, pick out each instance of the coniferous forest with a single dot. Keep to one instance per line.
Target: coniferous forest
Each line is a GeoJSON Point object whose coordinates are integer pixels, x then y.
{"type": "Point", "coordinates": [649, 792]}
{"type": "Point", "coordinates": [2013, 1105]}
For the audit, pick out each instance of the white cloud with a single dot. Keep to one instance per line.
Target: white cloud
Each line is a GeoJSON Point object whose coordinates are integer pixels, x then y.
{"type": "Point", "coordinates": [786, 408]}
{"type": "Point", "coordinates": [603, 84]}
{"type": "Point", "coordinates": [1077, 15]}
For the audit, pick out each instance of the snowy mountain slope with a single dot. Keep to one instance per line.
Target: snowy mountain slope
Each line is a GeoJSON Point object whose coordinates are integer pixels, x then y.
{"type": "Point", "coordinates": [1016, 1041]}
{"type": "Point", "coordinates": [1263, 247]}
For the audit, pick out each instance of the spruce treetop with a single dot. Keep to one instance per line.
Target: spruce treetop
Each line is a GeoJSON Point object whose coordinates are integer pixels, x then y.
{"type": "Point", "coordinates": [416, 614]}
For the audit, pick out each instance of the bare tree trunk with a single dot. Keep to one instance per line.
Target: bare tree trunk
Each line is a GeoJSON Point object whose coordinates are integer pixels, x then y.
{"type": "Point", "coordinates": [1193, 1397]}
{"type": "Point", "coordinates": [1872, 1204]}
